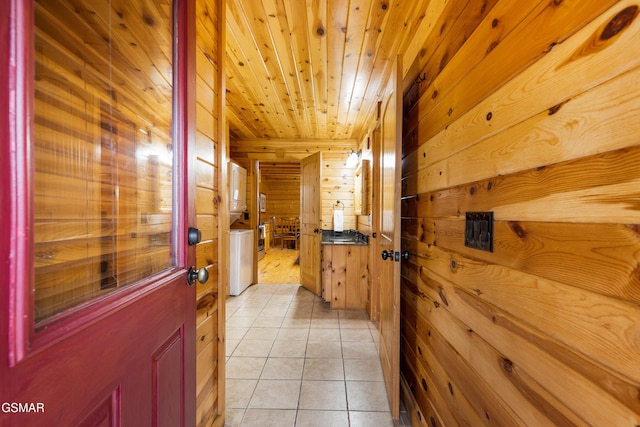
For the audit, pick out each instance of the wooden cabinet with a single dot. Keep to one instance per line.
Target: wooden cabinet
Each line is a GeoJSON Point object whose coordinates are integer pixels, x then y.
{"type": "Point", "coordinates": [345, 275]}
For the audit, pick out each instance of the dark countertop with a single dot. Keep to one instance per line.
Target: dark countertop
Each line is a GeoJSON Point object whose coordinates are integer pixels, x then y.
{"type": "Point", "coordinates": [347, 237]}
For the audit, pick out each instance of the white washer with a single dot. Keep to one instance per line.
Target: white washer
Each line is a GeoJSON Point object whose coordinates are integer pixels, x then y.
{"type": "Point", "coordinates": [240, 260]}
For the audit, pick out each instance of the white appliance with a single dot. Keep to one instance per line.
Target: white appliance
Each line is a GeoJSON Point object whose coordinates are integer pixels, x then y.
{"type": "Point", "coordinates": [238, 191]}
{"type": "Point", "coordinates": [240, 260]}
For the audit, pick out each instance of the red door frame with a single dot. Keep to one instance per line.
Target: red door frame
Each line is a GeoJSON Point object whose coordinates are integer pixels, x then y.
{"type": "Point", "coordinates": [20, 343]}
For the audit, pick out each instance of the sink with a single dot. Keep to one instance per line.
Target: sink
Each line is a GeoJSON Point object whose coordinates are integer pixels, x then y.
{"type": "Point", "coordinates": [350, 237]}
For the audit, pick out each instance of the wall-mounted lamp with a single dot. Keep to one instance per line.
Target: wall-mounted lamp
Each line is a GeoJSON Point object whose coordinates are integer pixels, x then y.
{"type": "Point", "coordinates": [353, 158]}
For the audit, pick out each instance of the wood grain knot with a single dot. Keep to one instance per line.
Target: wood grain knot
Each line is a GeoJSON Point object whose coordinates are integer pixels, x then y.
{"type": "Point", "coordinates": [424, 385]}
{"type": "Point", "coordinates": [443, 297]}
{"type": "Point", "coordinates": [556, 108]}
{"type": "Point", "coordinates": [320, 31]}
{"type": "Point", "coordinates": [384, 6]}
{"type": "Point", "coordinates": [507, 365]}
{"type": "Point", "coordinates": [149, 20]}
{"type": "Point", "coordinates": [619, 22]}
{"type": "Point", "coordinates": [519, 230]}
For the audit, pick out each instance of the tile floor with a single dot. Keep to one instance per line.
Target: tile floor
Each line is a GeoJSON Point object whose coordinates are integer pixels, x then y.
{"type": "Point", "coordinates": [292, 361]}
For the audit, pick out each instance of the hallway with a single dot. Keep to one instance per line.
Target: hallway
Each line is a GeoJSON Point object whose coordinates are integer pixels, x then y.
{"type": "Point", "coordinates": [292, 361]}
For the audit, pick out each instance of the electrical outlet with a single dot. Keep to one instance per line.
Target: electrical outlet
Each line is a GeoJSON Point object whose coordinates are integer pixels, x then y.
{"type": "Point", "coordinates": [478, 231]}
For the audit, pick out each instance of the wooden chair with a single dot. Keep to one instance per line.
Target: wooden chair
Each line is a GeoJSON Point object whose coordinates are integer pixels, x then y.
{"type": "Point", "coordinates": [276, 234]}
{"type": "Point", "coordinates": [287, 230]}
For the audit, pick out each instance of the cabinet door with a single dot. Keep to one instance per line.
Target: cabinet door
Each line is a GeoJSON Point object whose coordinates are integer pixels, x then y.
{"type": "Point", "coordinates": [339, 277]}
{"type": "Point", "coordinates": [326, 272]}
{"type": "Point", "coordinates": [356, 277]}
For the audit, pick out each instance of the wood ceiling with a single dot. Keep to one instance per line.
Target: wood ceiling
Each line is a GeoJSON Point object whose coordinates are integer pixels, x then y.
{"type": "Point", "coordinates": [312, 70]}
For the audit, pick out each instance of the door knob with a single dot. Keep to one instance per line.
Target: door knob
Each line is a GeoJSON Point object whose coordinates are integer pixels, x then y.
{"type": "Point", "coordinates": [386, 255]}
{"type": "Point", "coordinates": [405, 255]}
{"type": "Point", "coordinates": [194, 236]}
{"type": "Point", "coordinates": [193, 274]}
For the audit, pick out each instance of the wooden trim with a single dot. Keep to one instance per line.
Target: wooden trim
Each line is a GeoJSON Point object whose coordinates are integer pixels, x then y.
{"type": "Point", "coordinates": [17, 171]}
{"type": "Point", "coordinates": [223, 218]}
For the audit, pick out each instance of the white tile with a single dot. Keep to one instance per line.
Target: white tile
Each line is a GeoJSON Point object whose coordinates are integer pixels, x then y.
{"type": "Point", "coordinates": [359, 335]}
{"type": "Point", "coordinates": [324, 395]}
{"type": "Point", "coordinates": [293, 334]}
{"type": "Point", "coordinates": [245, 367]}
{"type": "Point", "coordinates": [286, 348]}
{"type": "Point", "coordinates": [268, 322]}
{"type": "Point", "coordinates": [276, 394]}
{"type": "Point", "coordinates": [247, 312]}
{"type": "Point", "coordinates": [283, 368]}
{"type": "Point", "coordinates": [368, 419]}
{"type": "Point", "coordinates": [261, 334]}
{"type": "Point", "coordinates": [240, 322]}
{"type": "Point", "coordinates": [311, 418]}
{"type": "Point", "coordinates": [323, 369]}
{"type": "Point", "coordinates": [367, 396]}
{"type": "Point", "coordinates": [230, 346]}
{"type": "Point", "coordinates": [239, 392]}
{"type": "Point", "coordinates": [358, 350]}
{"type": "Point", "coordinates": [325, 323]}
{"type": "Point", "coordinates": [274, 312]}
{"type": "Point", "coordinates": [268, 418]}
{"type": "Point", "coordinates": [233, 417]}
{"type": "Point", "coordinates": [324, 313]}
{"type": "Point", "coordinates": [295, 322]}
{"type": "Point", "coordinates": [354, 323]}
{"type": "Point", "coordinates": [253, 348]}
{"type": "Point", "coordinates": [233, 333]}
{"type": "Point", "coordinates": [322, 334]}
{"type": "Point", "coordinates": [324, 350]}
{"type": "Point", "coordinates": [363, 370]}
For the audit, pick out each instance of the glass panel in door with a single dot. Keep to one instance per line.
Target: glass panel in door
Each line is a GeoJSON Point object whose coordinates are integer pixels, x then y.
{"type": "Point", "coordinates": [104, 163]}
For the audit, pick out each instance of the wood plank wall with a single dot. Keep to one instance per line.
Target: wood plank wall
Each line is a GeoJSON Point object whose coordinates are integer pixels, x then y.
{"type": "Point", "coordinates": [337, 184]}
{"type": "Point", "coordinates": [529, 110]}
{"type": "Point", "coordinates": [283, 196]}
{"type": "Point", "coordinates": [209, 372]}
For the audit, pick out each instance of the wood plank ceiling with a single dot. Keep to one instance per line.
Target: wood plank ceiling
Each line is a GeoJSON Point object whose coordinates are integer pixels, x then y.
{"type": "Point", "coordinates": [306, 75]}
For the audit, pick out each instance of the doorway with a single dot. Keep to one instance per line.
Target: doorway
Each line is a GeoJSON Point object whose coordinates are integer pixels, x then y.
{"type": "Point", "coordinates": [279, 207]}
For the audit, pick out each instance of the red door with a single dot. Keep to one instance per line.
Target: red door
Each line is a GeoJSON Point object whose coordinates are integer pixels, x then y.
{"type": "Point", "coordinates": [97, 318]}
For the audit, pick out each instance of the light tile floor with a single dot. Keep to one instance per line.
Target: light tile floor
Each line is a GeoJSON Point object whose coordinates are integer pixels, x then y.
{"type": "Point", "coordinates": [292, 361]}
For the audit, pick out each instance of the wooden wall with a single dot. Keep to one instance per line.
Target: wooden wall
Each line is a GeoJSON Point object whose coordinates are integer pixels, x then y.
{"type": "Point", "coordinates": [283, 196]}
{"type": "Point", "coordinates": [210, 310]}
{"type": "Point", "coordinates": [337, 184]}
{"type": "Point", "coordinates": [529, 110]}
